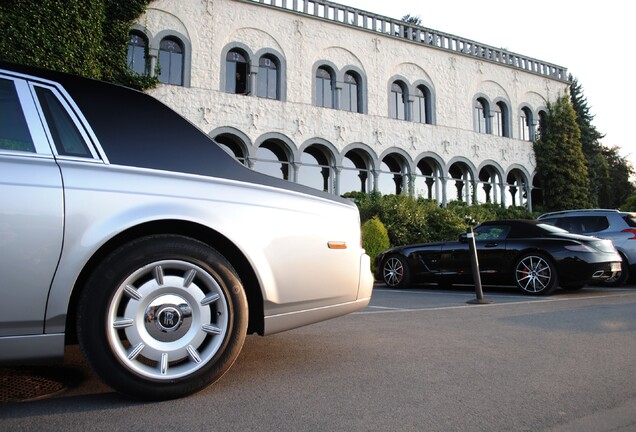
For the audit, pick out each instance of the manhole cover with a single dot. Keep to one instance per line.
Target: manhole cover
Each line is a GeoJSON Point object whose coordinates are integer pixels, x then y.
{"type": "Point", "coordinates": [24, 384]}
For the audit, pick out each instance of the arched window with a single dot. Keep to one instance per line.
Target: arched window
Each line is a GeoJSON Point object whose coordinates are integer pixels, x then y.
{"type": "Point", "coordinates": [397, 101]}
{"type": "Point", "coordinates": [232, 145]}
{"type": "Point", "coordinates": [324, 88]}
{"type": "Point", "coordinates": [481, 116]}
{"type": "Point", "coordinates": [350, 93]}
{"type": "Point", "coordinates": [543, 123]}
{"type": "Point", "coordinates": [136, 58]}
{"type": "Point", "coordinates": [171, 61]}
{"type": "Point", "coordinates": [268, 78]}
{"type": "Point", "coordinates": [393, 175]}
{"type": "Point", "coordinates": [501, 120]}
{"type": "Point", "coordinates": [271, 159]}
{"type": "Point", "coordinates": [315, 170]}
{"type": "Point", "coordinates": [525, 125]}
{"type": "Point", "coordinates": [422, 105]}
{"type": "Point", "coordinates": [237, 72]}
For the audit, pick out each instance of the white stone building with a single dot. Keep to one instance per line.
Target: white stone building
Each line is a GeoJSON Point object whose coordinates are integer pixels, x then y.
{"type": "Point", "coordinates": [345, 100]}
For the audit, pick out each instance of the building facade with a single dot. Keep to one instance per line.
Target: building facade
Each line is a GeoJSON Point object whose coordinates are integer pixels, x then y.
{"type": "Point", "coordinates": [345, 100]}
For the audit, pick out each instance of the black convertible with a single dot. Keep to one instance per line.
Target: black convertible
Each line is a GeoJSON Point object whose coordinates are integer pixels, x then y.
{"type": "Point", "coordinates": [533, 255]}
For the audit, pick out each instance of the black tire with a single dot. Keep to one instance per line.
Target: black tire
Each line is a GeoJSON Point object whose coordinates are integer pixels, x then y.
{"type": "Point", "coordinates": [620, 278]}
{"type": "Point", "coordinates": [162, 317]}
{"type": "Point", "coordinates": [534, 274]}
{"type": "Point", "coordinates": [396, 272]}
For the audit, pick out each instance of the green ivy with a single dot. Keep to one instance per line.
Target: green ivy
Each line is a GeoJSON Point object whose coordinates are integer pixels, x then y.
{"type": "Point", "coordinates": [83, 37]}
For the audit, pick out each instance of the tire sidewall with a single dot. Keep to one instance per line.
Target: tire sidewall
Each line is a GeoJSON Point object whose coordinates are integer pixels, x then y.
{"type": "Point", "coordinates": [552, 286]}
{"type": "Point", "coordinates": [406, 275]}
{"type": "Point", "coordinates": [99, 293]}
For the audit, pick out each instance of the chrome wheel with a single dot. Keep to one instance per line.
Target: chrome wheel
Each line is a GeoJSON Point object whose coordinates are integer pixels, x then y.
{"type": "Point", "coordinates": [167, 320]}
{"type": "Point", "coordinates": [162, 317]}
{"type": "Point", "coordinates": [395, 272]}
{"type": "Point", "coordinates": [534, 274]}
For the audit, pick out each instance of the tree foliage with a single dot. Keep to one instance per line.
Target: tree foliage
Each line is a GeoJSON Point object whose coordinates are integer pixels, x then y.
{"type": "Point", "coordinates": [412, 19]}
{"type": "Point", "coordinates": [83, 37]}
{"type": "Point", "coordinates": [561, 164]}
{"type": "Point", "coordinates": [619, 172]}
{"type": "Point", "coordinates": [375, 237]}
{"type": "Point", "coordinates": [597, 167]}
{"type": "Point", "coordinates": [408, 220]}
{"type": "Point", "coordinates": [608, 172]}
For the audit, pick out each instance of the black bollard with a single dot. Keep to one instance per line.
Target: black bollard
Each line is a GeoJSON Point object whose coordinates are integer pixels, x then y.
{"type": "Point", "coordinates": [474, 260]}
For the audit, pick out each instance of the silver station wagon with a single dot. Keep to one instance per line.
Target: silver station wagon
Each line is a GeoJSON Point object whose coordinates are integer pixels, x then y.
{"type": "Point", "coordinates": [126, 229]}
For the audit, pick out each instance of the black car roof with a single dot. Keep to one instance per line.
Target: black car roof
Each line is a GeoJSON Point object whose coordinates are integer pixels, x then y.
{"type": "Point", "coordinates": [135, 129]}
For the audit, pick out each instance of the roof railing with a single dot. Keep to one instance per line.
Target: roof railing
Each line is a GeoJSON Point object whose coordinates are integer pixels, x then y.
{"type": "Point", "coordinates": [368, 21]}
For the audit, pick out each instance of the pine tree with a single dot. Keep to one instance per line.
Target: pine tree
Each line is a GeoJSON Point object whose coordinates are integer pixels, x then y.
{"type": "Point", "coordinates": [620, 171]}
{"type": "Point", "coordinates": [597, 166]}
{"type": "Point", "coordinates": [561, 164]}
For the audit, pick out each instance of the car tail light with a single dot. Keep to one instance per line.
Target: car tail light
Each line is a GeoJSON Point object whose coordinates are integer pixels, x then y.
{"type": "Point", "coordinates": [630, 230]}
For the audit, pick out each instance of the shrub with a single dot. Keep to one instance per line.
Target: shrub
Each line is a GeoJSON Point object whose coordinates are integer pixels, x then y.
{"type": "Point", "coordinates": [629, 204]}
{"type": "Point", "coordinates": [409, 220]}
{"type": "Point", "coordinates": [375, 237]}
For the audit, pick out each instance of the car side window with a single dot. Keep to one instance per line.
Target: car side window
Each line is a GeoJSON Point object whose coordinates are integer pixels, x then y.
{"type": "Point", "coordinates": [492, 233]}
{"type": "Point", "coordinates": [594, 224]}
{"type": "Point", "coordinates": [14, 132]}
{"type": "Point", "coordinates": [571, 224]}
{"type": "Point", "coordinates": [583, 224]}
{"type": "Point", "coordinates": [67, 138]}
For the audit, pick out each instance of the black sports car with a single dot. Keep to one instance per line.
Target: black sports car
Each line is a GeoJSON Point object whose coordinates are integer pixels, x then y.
{"type": "Point", "coordinates": [533, 255]}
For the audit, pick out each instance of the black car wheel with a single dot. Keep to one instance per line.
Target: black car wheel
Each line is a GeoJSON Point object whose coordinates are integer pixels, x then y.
{"type": "Point", "coordinates": [395, 272]}
{"type": "Point", "coordinates": [535, 274]}
{"type": "Point", "coordinates": [162, 317]}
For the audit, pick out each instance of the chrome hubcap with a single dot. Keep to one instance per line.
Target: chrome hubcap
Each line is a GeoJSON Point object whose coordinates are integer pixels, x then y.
{"type": "Point", "coordinates": [167, 320]}
{"type": "Point", "coordinates": [393, 271]}
{"type": "Point", "coordinates": [533, 274]}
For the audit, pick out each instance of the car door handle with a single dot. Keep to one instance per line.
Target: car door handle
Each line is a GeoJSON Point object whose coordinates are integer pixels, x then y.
{"type": "Point", "coordinates": [491, 245]}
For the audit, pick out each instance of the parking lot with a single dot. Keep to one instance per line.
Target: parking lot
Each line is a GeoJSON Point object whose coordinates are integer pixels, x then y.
{"type": "Point", "coordinates": [421, 359]}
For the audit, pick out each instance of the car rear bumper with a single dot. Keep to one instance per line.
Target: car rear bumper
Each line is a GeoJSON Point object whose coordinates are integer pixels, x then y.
{"type": "Point", "coordinates": [606, 270]}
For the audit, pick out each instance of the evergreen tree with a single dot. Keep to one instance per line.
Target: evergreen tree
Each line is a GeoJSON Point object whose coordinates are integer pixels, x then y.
{"type": "Point", "coordinates": [597, 166]}
{"type": "Point", "coordinates": [619, 173]}
{"type": "Point", "coordinates": [412, 19]}
{"type": "Point", "coordinates": [561, 165]}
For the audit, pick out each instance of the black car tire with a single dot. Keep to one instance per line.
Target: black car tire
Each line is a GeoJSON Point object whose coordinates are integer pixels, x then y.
{"type": "Point", "coordinates": [396, 272]}
{"type": "Point", "coordinates": [621, 277]}
{"type": "Point", "coordinates": [534, 274]}
{"type": "Point", "coordinates": [162, 317]}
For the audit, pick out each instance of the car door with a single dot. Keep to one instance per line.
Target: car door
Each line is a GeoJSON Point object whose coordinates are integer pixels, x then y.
{"type": "Point", "coordinates": [491, 251]}
{"type": "Point", "coordinates": [31, 214]}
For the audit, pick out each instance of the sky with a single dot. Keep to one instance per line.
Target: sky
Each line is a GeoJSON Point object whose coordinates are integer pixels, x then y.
{"type": "Point", "coordinates": [593, 40]}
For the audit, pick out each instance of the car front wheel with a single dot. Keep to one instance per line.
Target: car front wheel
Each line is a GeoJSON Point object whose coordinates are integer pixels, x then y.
{"type": "Point", "coordinates": [395, 272]}
{"type": "Point", "coordinates": [535, 274]}
{"type": "Point", "coordinates": [162, 317]}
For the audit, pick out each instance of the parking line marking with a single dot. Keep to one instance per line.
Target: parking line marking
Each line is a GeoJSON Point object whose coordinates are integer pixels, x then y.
{"type": "Point", "coordinates": [438, 308]}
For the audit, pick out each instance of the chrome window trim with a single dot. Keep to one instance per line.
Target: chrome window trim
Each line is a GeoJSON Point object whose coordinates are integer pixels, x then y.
{"type": "Point", "coordinates": [93, 144]}
{"type": "Point", "coordinates": [39, 137]}
{"type": "Point", "coordinates": [81, 127]}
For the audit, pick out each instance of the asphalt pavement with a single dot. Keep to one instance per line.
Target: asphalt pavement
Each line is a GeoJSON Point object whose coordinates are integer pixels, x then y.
{"type": "Point", "coordinates": [420, 359]}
